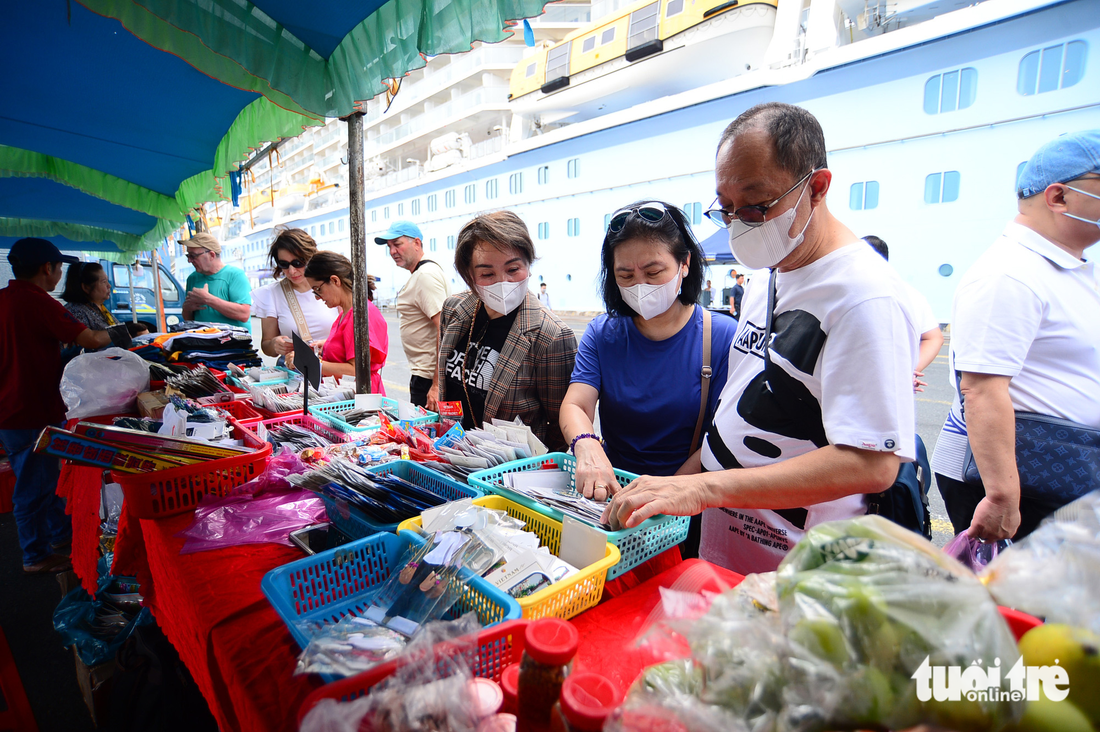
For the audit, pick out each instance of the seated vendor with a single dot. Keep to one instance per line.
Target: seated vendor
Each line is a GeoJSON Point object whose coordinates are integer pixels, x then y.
{"type": "Point", "coordinates": [642, 361]}
{"type": "Point", "coordinates": [330, 276]}
{"type": "Point", "coordinates": [503, 354]}
{"type": "Point", "coordinates": [818, 408]}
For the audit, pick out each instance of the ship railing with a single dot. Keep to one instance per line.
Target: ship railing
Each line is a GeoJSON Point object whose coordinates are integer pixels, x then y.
{"type": "Point", "coordinates": [438, 115]}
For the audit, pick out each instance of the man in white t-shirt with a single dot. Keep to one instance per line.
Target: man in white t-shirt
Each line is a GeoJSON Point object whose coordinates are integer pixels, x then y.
{"type": "Point", "coordinates": [822, 411]}
{"type": "Point", "coordinates": [1025, 338]}
{"type": "Point", "coordinates": [419, 304]}
{"type": "Point", "coordinates": [931, 337]}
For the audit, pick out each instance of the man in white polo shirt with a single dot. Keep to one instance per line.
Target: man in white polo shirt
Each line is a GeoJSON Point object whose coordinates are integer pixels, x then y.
{"type": "Point", "coordinates": [1025, 338]}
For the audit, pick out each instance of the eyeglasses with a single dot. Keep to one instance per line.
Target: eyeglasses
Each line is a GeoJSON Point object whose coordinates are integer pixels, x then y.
{"type": "Point", "coordinates": [317, 289]}
{"type": "Point", "coordinates": [750, 215]}
{"type": "Point", "coordinates": [650, 212]}
{"type": "Point", "coordinates": [295, 263]}
{"type": "Point", "coordinates": [192, 257]}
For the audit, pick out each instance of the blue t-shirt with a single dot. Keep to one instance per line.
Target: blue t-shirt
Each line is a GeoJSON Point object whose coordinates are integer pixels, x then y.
{"type": "Point", "coordinates": [650, 390]}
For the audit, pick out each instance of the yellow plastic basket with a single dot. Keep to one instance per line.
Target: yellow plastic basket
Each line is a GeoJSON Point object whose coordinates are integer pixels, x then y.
{"type": "Point", "coordinates": [565, 599]}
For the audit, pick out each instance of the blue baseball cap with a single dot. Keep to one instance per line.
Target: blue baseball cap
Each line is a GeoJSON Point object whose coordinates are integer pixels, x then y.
{"type": "Point", "coordinates": [33, 253]}
{"type": "Point", "coordinates": [399, 228]}
{"type": "Point", "coordinates": [1061, 160]}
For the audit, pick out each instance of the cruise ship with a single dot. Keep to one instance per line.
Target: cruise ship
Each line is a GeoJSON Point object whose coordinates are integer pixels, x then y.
{"type": "Point", "coordinates": [930, 108]}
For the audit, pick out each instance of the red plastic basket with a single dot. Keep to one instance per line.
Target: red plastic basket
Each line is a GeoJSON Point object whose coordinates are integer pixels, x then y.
{"type": "Point", "coordinates": [315, 426]}
{"type": "Point", "coordinates": [241, 410]}
{"type": "Point", "coordinates": [268, 414]}
{"type": "Point", "coordinates": [497, 648]}
{"type": "Point", "coordinates": [169, 492]}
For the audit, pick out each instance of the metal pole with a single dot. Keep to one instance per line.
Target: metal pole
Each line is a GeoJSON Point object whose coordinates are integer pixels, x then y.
{"type": "Point", "coordinates": [358, 252]}
{"type": "Point", "coordinates": [162, 324]}
{"type": "Point", "coordinates": [133, 305]}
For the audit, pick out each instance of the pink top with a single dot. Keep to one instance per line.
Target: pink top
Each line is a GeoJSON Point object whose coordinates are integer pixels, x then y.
{"type": "Point", "coordinates": [340, 346]}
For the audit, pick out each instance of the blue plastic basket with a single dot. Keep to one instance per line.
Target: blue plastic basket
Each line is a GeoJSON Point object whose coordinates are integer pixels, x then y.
{"type": "Point", "coordinates": [353, 523]}
{"type": "Point", "coordinates": [637, 545]}
{"type": "Point", "coordinates": [326, 587]}
{"type": "Point", "coordinates": [245, 384]}
{"type": "Point", "coordinates": [327, 412]}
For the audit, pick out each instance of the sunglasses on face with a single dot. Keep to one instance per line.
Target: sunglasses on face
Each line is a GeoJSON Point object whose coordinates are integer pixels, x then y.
{"type": "Point", "coordinates": [295, 263]}
{"type": "Point", "coordinates": [651, 212]}
{"type": "Point", "coordinates": [749, 215]}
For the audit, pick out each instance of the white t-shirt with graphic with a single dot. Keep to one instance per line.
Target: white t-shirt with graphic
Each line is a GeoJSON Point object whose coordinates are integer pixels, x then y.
{"type": "Point", "coordinates": [844, 346]}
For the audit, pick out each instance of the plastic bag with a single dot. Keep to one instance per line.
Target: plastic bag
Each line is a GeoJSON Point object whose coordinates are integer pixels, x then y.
{"type": "Point", "coordinates": [264, 510]}
{"type": "Point", "coordinates": [1054, 572]}
{"type": "Point", "coordinates": [429, 690]}
{"type": "Point", "coordinates": [97, 628]}
{"type": "Point", "coordinates": [973, 553]}
{"type": "Point", "coordinates": [348, 647]}
{"type": "Point", "coordinates": [103, 382]}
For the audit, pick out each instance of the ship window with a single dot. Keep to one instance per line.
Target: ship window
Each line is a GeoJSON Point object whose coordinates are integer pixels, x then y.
{"type": "Point", "coordinates": [544, 175]}
{"type": "Point", "coordinates": [431, 243]}
{"type": "Point", "coordinates": [415, 207]}
{"type": "Point", "coordinates": [557, 62]}
{"type": "Point", "coordinates": [385, 212]}
{"type": "Point", "coordinates": [573, 227]}
{"type": "Point", "coordinates": [331, 227]}
{"type": "Point", "coordinates": [606, 221]}
{"type": "Point", "coordinates": [340, 227]}
{"type": "Point", "coordinates": [573, 168]}
{"type": "Point", "coordinates": [950, 91]}
{"type": "Point", "coordinates": [515, 183]}
{"type": "Point", "coordinates": [942, 187]}
{"type": "Point", "coordinates": [470, 193]}
{"type": "Point", "coordinates": [530, 70]}
{"type": "Point", "coordinates": [449, 199]}
{"type": "Point", "coordinates": [674, 7]}
{"type": "Point", "coordinates": [589, 44]}
{"type": "Point", "coordinates": [608, 36]}
{"type": "Point", "coordinates": [491, 189]}
{"type": "Point", "coordinates": [544, 230]}
{"type": "Point", "coordinates": [694, 212]}
{"type": "Point", "coordinates": [313, 230]}
{"type": "Point", "coordinates": [863, 196]}
{"type": "Point", "coordinates": [643, 26]}
{"type": "Point", "coordinates": [374, 215]}
{"type": "Point", "coordinates": [1053, 68]}
{"type": "Point", "coordinates": [401, 209]}
{"type": "Point", "coordinates": [450, 242]}
{"type": "Point", "coordinates": [433, 203]}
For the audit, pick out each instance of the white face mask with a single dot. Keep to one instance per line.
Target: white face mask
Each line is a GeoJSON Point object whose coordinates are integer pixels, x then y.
{"type": "Point", "coordinates": [503, 297]}
{"type": "Point", "coordinates": [1090, 195]}
{"type": "Point", "coordinates": [649, 301]}
{"type": "Point", "coordinates": [760, 247]}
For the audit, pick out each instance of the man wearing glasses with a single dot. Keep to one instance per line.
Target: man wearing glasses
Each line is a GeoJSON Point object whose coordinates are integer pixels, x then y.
{"type": "Point", "coordinates": [818, 406]}
{"type": "Point", "coordinates": [216, 292]}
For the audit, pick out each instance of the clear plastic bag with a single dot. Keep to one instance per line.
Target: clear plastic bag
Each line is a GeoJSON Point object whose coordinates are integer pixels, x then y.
{"type": "Point", "coordinates": [103, 382]}
{"type": "Point", "coordinates": [1054, 573]}
{"type": "Point", "coordinates": [349, 647]}
{"type": "Point", "coordinates": [974, 554]}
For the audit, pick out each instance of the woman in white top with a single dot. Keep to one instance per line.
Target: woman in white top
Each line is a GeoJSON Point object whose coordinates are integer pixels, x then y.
{"type": "Point", "coordinates": [288, 305]}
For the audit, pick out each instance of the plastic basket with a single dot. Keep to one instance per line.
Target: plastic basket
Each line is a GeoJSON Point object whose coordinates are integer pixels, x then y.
{"type": "Point", "coordinates": [233, 380]}
{"type": "Point", "coordinates": [241, 410]}
{"type": "Point", "coordinates": [564, 599]}
{"type": "Point", "coordinates": [353, 523]}
{"type": "Point", "coordinates": [322, 589]}
{"type": "Point", "coordinates": [645, 541]}
{"type": "Point", "coordinates": [155, 384]}
{"type": "Point", "coordinates": [497, 648]}
{"type": "Point", "coordinates": [315, 426]}
{"type": "Point", "coordinates": [328, 412]}
{"type": "Point", "coordinates": [169, 492]}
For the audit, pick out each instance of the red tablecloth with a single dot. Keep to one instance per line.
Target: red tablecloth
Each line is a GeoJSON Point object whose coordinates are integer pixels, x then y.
{"type": "Point", "coordinates": [610, 631]}
{"type": "Point", "coordinates": [80, 487]}
{"type": "Point", "coordinates": [210, 606]}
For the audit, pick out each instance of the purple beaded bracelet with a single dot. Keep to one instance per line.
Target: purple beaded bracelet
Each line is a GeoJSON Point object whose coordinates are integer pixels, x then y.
{"type": "Point", "coordinates": [581, 436]}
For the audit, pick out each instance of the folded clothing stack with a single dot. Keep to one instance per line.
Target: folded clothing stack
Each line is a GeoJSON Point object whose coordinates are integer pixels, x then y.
{"type": "Point", "coordinates": [214, 346]}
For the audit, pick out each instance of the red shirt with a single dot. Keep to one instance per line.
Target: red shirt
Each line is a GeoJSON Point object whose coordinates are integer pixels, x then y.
{"type": "Point", "coordinates": [33, 326]}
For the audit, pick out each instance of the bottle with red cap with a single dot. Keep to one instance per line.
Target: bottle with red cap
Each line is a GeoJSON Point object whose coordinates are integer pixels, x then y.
{"type": "Point", "coordinates": [586, 701]}
{"type": "Point", "coordinates": [549, 647]}
{"type": "Point", "coordinates": [509, 685]}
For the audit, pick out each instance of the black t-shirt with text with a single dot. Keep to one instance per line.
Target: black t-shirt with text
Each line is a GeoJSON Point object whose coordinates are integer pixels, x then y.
{"type": "Point", "coordinates": [485, 347]}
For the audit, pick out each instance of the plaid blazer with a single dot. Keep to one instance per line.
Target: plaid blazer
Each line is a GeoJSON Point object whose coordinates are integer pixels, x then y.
{"type": "Point", "coordinates": [533, 371]}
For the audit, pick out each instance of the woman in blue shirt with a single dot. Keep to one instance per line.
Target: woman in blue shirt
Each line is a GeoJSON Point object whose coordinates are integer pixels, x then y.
{"type": "Point", "coordinates": [642, 361]}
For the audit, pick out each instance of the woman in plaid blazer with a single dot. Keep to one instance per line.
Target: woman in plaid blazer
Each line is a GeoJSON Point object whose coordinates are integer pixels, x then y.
{"type": "Point", "coordinates": [502, 354]}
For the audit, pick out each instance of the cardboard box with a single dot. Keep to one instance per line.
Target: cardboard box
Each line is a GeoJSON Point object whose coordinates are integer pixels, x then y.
{"type": "Point", "coordinates": [151, 404]}
{"type": "Point", "coordinates": [95, 685]}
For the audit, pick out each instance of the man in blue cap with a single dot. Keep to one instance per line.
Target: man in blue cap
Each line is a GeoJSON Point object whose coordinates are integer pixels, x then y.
{"type": "Point", "coordinates": [33, 325]}
{"type": "Point", "coordinates": [419, 304]}
{"type": "Point", "coordinates": [1024, 339]}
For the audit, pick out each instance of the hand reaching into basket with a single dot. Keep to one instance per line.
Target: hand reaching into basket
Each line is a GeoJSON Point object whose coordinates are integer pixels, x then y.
{"type": "Point", "coordinates": [595, 477]}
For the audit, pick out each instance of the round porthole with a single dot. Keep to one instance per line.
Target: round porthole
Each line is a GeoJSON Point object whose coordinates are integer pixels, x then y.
{"type": "Point", "coordinates": [946, 270]}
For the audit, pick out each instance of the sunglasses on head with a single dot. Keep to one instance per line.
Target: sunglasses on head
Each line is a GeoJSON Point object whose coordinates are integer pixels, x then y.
{"type": "Point", "coordinates": [295, 263]}
{"type": "Point", "coordinates": [749, 215]}
{"type": "Point", "coordinates": [651, 212]}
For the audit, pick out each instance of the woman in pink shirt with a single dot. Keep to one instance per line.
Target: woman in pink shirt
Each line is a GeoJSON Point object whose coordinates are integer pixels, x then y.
{"type": "Point", "coordinates": [330, 276]}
